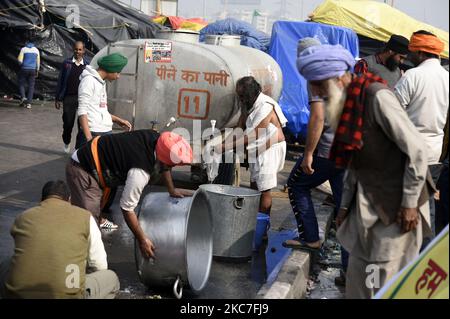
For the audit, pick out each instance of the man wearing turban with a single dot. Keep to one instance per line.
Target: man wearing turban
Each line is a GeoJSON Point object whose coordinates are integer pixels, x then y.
{"type": "Point", "coordinates": [93, 113]}
{"type": "Point", "coordinates": [384, 209]}
{"type": "Point", "coordinates": [312, 169]}
{"type": "Point", "coordinates": [424, 93]}
{"type": "Point", "coordinates": [386, 63]}
{"type": "Point", "coordinates": [128, 159]}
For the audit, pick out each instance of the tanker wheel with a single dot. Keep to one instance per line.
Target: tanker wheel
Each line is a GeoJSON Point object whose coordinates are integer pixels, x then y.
{"type": "Point", "coordinates": [229, 174]}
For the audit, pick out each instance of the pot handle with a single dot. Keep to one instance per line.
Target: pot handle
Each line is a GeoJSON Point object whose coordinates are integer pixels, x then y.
{"type": "Point", "coordinates": [177, 285]}
{"type": "Point", "coordinates": [239, 202]}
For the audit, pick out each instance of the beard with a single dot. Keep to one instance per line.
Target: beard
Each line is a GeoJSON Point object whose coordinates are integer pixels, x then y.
{"type": "Point", "coordinates": [391, 64]}
{"type": "Point", "coordinates": [335, 104]}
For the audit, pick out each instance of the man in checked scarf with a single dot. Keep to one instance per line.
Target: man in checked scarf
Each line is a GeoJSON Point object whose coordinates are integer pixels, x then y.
{"type": "Point", "coordinates": [384, 211]}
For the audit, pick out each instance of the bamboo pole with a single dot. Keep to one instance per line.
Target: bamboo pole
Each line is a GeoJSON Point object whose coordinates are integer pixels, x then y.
{"type": "Point", "coordinates": [158, 6]}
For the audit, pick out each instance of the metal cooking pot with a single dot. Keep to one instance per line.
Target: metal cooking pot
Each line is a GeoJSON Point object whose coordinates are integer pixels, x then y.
{"type": "Point", "coordinates": [181, 230]}
{"type": "Point", "coordinates": [234, 211]}
{"type": "Point", "coordinates": [223, 40]}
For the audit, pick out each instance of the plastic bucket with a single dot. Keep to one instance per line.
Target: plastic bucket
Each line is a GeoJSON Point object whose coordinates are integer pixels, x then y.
{"type": "Point", "coordinates": [262, 225]}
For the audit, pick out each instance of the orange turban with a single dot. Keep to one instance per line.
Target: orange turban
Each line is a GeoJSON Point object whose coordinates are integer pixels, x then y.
{"type": "Point", "coordinates": [426, 43]}
{"type": "Point", "coordinates": [172, 149]}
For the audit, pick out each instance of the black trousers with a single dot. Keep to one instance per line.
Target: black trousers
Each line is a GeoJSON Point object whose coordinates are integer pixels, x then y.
{"type": "Point", "coordinates": [70, 106]}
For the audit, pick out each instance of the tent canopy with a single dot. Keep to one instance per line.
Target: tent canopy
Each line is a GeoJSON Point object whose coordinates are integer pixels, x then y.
{"type": "Point", "coordinates": [283, 48]}
{"type": "Point", "coordinates": [373, 19]}
{"type": "Point", "coordinates": [250, 36]}
{"type": "Point", "coordinates": [97, 23]}
{"type": "Point", "coordinates": [193, 24]}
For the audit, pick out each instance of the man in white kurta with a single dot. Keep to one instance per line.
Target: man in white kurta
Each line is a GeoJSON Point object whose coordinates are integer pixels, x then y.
{"type": "Point", "coordinates": [424, 93]}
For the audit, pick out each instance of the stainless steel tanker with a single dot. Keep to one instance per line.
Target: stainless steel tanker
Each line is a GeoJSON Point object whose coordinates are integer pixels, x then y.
{"type": "Point", "coordinates": [178, 77]}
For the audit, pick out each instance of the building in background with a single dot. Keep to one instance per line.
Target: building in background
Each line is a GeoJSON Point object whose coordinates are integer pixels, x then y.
{"type": "Point", "coordinates": [260, 21]}
{"type": "Point", "coordinates": [255, 12]}
{"type": "Point", "coordinates": [150, 7]}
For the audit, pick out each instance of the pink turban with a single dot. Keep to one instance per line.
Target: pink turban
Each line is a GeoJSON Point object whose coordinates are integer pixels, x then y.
{"type": "Point", "coordinates": [172, 149]}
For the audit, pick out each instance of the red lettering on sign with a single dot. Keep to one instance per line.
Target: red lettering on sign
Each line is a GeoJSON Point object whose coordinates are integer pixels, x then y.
{"type": "Point", "coordinates": [433, 276]}
{"type": "Point", "coordinates": [194, 104]}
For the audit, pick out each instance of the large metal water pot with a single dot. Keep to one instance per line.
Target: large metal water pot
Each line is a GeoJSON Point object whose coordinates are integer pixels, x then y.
{"type": "Point", "coordinates": [181, 230]}
{"type": "Point", "coordinates": [179, 35]}
{"type": "Point", "coordinates": [224, 39]}
{"type": "Point", "coordinates": [234, 211]}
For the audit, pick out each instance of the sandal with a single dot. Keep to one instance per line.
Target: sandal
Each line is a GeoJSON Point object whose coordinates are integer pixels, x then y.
{"type": "Point", "coordinates": [297, 244]}
{"type": "Point", "coordinates": [108, 225]}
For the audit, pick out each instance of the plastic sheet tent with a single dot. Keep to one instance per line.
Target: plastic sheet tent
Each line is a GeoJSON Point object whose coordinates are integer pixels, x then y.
{"type": "Point", "coordinates": [175, 23]}
{"type": "Point", "coordinates": [373, 19]}
{"type": "Point", "coordinates": [250, 37]}
{"type": "Point", "coordinates": [283, 48]}
{"type": "Point", "coordinates": [53, 28]}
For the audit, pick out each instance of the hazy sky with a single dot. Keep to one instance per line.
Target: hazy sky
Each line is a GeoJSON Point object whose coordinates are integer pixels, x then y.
{"type": "Point", "coordinates": [434, 12]}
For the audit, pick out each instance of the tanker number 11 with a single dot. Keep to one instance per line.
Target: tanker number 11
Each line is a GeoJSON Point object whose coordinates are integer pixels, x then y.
{"type": "Point", "coordinates": [196, 101]}
{"type": "Point", "coordinates": [193, 104]}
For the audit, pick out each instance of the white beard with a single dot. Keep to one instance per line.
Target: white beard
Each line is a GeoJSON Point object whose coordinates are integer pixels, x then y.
{"type": "Point", "coordinates": [335, 104]}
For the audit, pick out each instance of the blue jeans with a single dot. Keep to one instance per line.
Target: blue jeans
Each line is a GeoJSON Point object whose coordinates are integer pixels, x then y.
{"type": "Point", "coordinates": [299, 188]}
{"type": "Point", "coordinates": [27, 77]}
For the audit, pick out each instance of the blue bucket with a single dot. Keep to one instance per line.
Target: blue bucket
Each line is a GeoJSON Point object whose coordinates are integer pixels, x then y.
{"type": "Point", "coordinates": [262, 225]}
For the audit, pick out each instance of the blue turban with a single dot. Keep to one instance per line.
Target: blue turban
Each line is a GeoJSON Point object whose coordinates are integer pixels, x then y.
{"type": "Point", "coordinates": [321, 62]}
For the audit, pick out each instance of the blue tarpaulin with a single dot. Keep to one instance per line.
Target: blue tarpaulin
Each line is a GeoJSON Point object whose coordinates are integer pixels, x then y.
{"type": "Point", "coordinates": [250, 37]}
{"type": "Point", "coordinates": [283, 48]}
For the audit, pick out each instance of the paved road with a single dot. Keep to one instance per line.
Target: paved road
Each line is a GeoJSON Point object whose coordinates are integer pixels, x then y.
{"type": "Point", "coordinates": [31, 153]}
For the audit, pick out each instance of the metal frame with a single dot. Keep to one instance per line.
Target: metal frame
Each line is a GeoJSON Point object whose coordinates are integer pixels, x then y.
{"type": "Point", "coordinates": [135, 75]}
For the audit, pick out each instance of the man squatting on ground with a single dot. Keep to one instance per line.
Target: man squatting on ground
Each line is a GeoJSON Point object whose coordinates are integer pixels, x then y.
{"type": "Point", "coordinates": [58, 252]}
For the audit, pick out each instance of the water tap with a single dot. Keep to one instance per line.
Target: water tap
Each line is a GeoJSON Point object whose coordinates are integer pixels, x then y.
{"type": "Point", "coordinates": [171, 121]}
{"type": "Point", "coordinates": [154, 125]}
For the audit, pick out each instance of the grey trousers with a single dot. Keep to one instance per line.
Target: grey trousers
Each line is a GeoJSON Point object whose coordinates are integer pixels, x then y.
{"type": "Point", "coordinates": [103, 284]}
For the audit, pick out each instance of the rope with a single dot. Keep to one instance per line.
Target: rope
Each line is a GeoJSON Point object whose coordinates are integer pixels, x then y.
{"type": "Point", "coordinates": [15, 8]}
{"type": "Point", "coordinates": [64, 18]}
{"type": "Point", "coordinates": [91, 27]}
